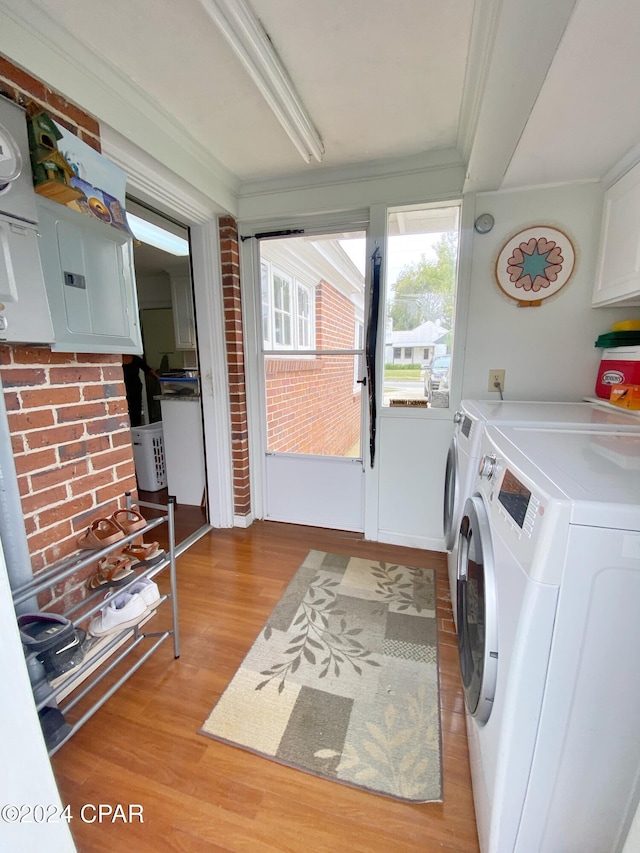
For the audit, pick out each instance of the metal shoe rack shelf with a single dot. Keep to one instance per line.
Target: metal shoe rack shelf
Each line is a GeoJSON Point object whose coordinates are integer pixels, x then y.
{"type": "Point", "coordinates": [106, 655]}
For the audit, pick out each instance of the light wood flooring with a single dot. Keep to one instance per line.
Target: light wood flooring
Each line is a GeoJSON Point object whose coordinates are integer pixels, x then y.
{"type": "Point", "coordinates": [143, 746]}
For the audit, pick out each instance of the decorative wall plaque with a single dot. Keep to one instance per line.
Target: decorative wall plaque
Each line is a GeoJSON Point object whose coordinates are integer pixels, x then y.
{"type": "Point", "coordinates": [535, 264]}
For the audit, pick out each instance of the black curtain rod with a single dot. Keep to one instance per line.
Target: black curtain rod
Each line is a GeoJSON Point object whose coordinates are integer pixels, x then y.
{"type": "Point", "coordinates": [266, 234]}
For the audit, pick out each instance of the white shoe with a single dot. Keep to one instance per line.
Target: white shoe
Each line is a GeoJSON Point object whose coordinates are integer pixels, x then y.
{"type": "Point", "coordinates": [121, 611]}
{"type": "Point", "coordinates": [148, 590]}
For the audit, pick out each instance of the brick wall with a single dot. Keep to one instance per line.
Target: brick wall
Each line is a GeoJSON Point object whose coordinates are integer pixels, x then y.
{"type": "Point", "coordinates": [230, 263]}
{"type": "Point", "coordinates": [67, 413]}
{"type": "Point", "coordinates": [312, 406]}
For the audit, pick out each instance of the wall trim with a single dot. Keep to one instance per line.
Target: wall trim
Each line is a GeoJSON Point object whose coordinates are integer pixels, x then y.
{"type": "Point", "coordinates": [390, 537]}
{"type": "Point", "coordinates": [243, 520]}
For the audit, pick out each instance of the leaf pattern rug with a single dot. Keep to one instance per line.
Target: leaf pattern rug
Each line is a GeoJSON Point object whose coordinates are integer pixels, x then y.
{"type": "Point", "coordinates": [343, 680]}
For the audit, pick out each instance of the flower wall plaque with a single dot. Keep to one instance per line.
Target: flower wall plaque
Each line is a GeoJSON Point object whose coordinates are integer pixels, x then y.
{"type": "Point", "coordinates": [535, 264]}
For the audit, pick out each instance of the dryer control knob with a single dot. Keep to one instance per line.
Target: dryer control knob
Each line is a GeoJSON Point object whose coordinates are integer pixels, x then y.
{"type": "Point", "coordinates": [487, 466]}
{"type": "Point", "coordinates": [457, 417]}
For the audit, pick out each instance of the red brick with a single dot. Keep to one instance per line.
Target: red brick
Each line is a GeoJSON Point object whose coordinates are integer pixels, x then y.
{"type": "Point", "coordinates": [82, 412]}
{"type": "Point", "coordinates": [91, 482]}
{"type": "Point", "coordinates": [32, 503]}
{"type": "Point", "coordinates": [21, 377]}
{"type": "Point", "coordinates": [21, 79]}
{"type": "Point", "coordinates": [11, 402]}
{"type": "Point", "coordinates": [35, 461]}
{"type": "Point", "coordinates": [78, 116]}
{"type": "Point", "coordinates": [102, 391]}
{"type": "Point", "coordinates": [49, 397]}
{"type": "Point", "coordinates": [104, 425]}
{"type": "Point", "coordinates": [75, 374]}
{"type": "Point", "coordinates": [117, 407]}
{"type": "Point", "coordinates": [63, 512]}
{"type": "Point", "coordinates": [91, 140]}
{"type": "Point", "coordinates": [126, 470]}
{"type": "Point", "coordinates": [63, 474]}
{"type": "Point", "coordinates": [61, 550]}
{"type": "Point", "coordinates": [98, 444]}
{"type": "Point", "coordinates": [54, 436]}
{"type": "Point", "coordinates": [113, 373]}
{"type": "Point", "coordinates": [77, 450]}
{"type": "Point", "coordinates": [120, 439]}
{"type": "Point", "coordinates": [116, 490]}
{"type": "Point", "coordinates": [40, 355]}
{"type": "Point", "coordinates": [24, 421]}
{"type": "Point", "coordinates": [39, 541]}
{"type": "Point", "coordinates": [110, 459]}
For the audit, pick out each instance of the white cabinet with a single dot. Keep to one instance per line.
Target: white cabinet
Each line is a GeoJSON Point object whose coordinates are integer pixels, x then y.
{"type": "Point", "coordinates": [618, 269]}
{"type": "Point", "coordinates": [90, 281]}
{"type": "Point", "coordinates": [183, 315]}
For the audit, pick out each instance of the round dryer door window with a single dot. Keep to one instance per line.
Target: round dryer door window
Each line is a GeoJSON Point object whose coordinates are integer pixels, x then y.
{"type": "Point", "coordinates": [477, 610]}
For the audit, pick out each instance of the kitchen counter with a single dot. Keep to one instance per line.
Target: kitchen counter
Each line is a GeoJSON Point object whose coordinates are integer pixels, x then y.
{"type": "Point", "coordinates": [179, 398]}
{"type": "Point", "coordinates": [183, 448]}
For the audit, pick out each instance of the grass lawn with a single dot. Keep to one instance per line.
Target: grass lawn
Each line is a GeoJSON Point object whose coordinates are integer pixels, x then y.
{"type": "Point", "coordinates": [402, 375]}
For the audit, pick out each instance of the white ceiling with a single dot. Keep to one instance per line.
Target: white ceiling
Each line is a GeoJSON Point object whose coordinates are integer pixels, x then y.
{"type": "Point", "coordinates": [521, 92]}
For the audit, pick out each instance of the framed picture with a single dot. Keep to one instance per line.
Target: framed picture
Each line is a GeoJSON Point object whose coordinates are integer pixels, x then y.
{"type": "Point", "coordinates": [535, 264]}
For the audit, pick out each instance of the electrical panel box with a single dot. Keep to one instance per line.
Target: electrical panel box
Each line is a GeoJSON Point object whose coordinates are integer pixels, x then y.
{"type": "Point", "coordinates": [90, 280]}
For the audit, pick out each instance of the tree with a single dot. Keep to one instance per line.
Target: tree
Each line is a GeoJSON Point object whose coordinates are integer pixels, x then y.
{"type": "Point", "coordinates": [425, 290]}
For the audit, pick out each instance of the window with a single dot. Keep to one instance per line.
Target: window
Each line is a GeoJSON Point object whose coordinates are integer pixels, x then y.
{"type": "Point", "coordinates": [420, 294]}
{"type": "Point", "coordinates": [287, 310]}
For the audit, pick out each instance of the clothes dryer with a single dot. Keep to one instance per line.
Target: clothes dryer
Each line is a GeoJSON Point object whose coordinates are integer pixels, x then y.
{"type": "Point", "coordinates": [463, 455]}
{"type": "Point", "coordinates": [548, 592]}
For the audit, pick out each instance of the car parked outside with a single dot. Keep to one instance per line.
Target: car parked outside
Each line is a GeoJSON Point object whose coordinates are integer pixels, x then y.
{"type": "Point", "coordinates": [436, 376]}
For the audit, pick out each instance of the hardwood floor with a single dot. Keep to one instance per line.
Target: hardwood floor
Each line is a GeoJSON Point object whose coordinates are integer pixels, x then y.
{"type": "Point", "coordinates": [143, 746]}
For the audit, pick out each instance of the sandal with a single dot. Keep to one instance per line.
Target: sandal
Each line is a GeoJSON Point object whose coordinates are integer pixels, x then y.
{"type": "Point", "coordinates": [101, 533]}
{"type": "Point", "coordinates": [112, 571]}
{"type": "Point", "coordinates": [143, 555]}
{"type": "Point", "coordinates": [128, 520]}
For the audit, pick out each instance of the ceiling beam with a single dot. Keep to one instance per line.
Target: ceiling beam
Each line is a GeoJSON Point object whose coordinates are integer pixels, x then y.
{"type": "Point", "coordinates": [513, 45]}
{"type": "Point", "coordinates": [253, 47]}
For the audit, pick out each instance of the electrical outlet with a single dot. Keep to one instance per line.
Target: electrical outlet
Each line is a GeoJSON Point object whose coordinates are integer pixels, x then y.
{"type": "Point", "coordinates": [496, 380]}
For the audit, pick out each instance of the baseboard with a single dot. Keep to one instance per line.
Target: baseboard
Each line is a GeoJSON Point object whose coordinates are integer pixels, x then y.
{"type": "Point", "coordinates": [243, 520]}
{"type": "Point", "coordinates": [390, 537]}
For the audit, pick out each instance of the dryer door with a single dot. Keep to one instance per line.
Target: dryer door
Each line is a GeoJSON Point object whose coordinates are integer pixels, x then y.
{"type": "Point", "coordinates": [477, 610]}
{"type": "Point", "coordinates": [451, 495]}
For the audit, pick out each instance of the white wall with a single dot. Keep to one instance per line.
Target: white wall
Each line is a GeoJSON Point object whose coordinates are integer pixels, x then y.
{"type": "Point", "coordinates": [548, 352]}
{"type": "Point", "coordinates": [26, 778]}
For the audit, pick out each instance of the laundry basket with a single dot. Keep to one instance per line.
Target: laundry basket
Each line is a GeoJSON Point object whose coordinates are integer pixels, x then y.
{"type": "Point", "coordinates": [148, 455]}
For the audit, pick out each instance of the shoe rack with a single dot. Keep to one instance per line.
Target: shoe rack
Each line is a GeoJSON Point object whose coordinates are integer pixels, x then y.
{"type": "Point", "coordinates": [107, 655]}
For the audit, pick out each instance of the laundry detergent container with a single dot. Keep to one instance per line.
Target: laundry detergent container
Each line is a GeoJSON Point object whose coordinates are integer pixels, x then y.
{"type": "Point", "coordinates": [618, 366]}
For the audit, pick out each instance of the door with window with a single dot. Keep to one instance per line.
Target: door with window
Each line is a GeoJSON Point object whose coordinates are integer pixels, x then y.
{"type": "Point", "coordinates": [312, 369]}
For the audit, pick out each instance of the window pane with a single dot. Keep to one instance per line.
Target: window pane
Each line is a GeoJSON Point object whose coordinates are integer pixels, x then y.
{"type": "Point", "coordinates": [422, 256]}
{"type": "Point", "coordinates": [304, 316]}
{"type": "Point", "coordinates": [264, 279]}
{"type": "Point", "coordinates": [312, 405]}
{"type": "Point", "coordinates": [282, 310]}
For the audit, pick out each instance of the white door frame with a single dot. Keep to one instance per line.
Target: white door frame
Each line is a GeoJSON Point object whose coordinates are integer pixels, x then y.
{"type": "Point", "coordinates": [252, 326]}
{"type": "Point", "coordinates": [168, 194]}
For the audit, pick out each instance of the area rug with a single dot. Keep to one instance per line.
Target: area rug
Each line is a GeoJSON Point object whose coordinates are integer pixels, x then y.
{"type": "Point", "coordinates": [343, 680]}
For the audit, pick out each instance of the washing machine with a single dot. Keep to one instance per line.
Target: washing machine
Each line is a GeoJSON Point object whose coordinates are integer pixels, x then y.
{"type": "Point", "coordinates": [548, 631]}
{"type": "Point", "coordinates": [463, 454]}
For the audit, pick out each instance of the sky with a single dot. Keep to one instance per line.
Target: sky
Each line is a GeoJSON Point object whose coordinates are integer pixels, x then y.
{"type": "Point", "coordinates": [403, 250]}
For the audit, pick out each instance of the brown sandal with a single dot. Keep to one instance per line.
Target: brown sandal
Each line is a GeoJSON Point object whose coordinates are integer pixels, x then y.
{"type": "Point", "coordinates": [101, 533]}
{"type": "Point", "coordinates": [112, 571]}
{"type": "Point", "coordinates": [128, 520]}
{"type": "Point", "coordinates": [143, 555]}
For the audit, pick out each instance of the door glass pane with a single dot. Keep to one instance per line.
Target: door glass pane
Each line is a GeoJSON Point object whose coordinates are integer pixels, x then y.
{"type": "Point", "coordinates": [312, 405]}
{"type": "Point", "coordinates": [313, 293]}
{"type": "Point", "coordinates": [422, 255]}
